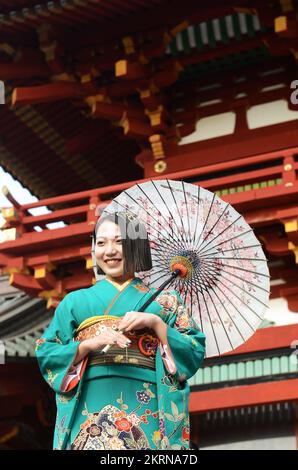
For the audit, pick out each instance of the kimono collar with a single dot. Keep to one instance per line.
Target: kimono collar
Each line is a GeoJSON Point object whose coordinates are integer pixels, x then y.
{"type": "Point", "coordinates": [120, 287]}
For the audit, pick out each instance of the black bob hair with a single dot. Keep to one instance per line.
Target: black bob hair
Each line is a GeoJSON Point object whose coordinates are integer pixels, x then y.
{"type": "Point", "coordinates": [135, 244]}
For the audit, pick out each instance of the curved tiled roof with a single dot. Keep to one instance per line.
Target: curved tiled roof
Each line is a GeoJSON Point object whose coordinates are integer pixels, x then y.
{"type": "Point", "coordinates": [16, 11]}
{"type": "Point", "coordinates": [34, 145]}
{"type": "Point", "coordinates": [24, 344]}
{"type": "Point", "coordinates": [22, 320]}
{"type": "Point", "coordinates": [36, 139]}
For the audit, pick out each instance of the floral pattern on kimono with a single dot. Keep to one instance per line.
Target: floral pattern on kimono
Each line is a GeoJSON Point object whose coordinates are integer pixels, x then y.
{"type": "Point", "coordinates": [113, 427]}
{"type": "Point", "coordinates": [177, 359]}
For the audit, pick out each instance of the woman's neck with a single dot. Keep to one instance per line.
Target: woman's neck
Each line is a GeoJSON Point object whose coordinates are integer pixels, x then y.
{"type": "Point", "coordinates": [121, 279]}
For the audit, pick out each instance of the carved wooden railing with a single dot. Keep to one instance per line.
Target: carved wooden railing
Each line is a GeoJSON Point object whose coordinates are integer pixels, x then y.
{"type": "Point", "coordinates": [49, 262]}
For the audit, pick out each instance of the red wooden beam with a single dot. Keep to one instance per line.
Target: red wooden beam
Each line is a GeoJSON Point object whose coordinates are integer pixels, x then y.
{"type": "Point", "coordinates": [79, 232]}
{"type": "Point", "coordinates": [252, 215]}
{"type": "Point", "coordinates": [62, 215]}
{"type": "Point", "coordinates": [24, 70]}
{"type": "Point", "coordinates": [275, 292]}
{"type": "Point", "coordinates": [275, 337]}
{"type": "Point", "coordinates": [229, 101]}
{"type": "Point", "coordinates": [74, 234]}
{"type": "Point", "coordinates": [172, 67]}
{"type": "Point", "coordinates": [130, 70]}
{"type": "Point", "coordinates": [228, 148]}
{"type": "Point", "coordinates": [148, 21]}
{"type": "Point", "coordinates": [275, 245]}
{"type": "Point", "coordinates": [245, 395]}
{"type": "Point", "coordinates": [227, 85]}
{"type": "Point", "coordinates": [152, 98]}
{"type": "Point", "coordinates": [89, 135]}
{"type": "Point", "coordinates": [115, 111]}
{"type": "Point", "coordinates": [208, 167]}
{"type": "Point", "coordinates": [47, 93]}
{"type": "Point", "coordinates": [286, 272]}
{"type": "Point", "coordinates": [225, 50]}
{"type": "Point", "coordinates": [81, 281]}
{"type": "Point", "coordinates": [281, 46]}
{"type": "Point", "coordinates": [5, 260]}
{"type": "Point", "coordinates": [288, 213]}
{"type": "Point", "coordinates": [286, 26]}
{"type": "Point", "coordinates": [136, 128]}
{"type": "Point", "coordinates": [268, 197]}
{"type": "Point", "coordinates": [34, 287]}
{"type": "Point", "coordinates": [55, 255]}
{"type": "Point", "coordinates": [289, 291]}
{"type": "Point", "coordinates": [26, 283]}
{"type": "Point", "coordinates": [264, 217]}
{"type": "Point", "coordinates": [246, 178]}
{"type": "Point", "coordinates": [48, 281]}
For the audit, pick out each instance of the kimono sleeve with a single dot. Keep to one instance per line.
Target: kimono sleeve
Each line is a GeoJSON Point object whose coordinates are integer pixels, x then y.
{"type": "Point", "coordinates": [184, 349]}
{"type": "Point", "coordinates": [56, 350]}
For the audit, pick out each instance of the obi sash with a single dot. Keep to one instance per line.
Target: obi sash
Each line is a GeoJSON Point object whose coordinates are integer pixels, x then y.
{"type": "Point", "coordinates": [140, 353]}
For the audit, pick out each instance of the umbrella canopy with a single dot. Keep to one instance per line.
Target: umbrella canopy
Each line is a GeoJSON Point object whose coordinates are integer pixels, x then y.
{"type": "Point", "coordinates": [225, 282]}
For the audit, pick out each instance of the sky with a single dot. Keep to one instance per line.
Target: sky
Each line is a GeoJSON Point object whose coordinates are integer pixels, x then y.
{"type": "Point", "coordinates": [21, 195]}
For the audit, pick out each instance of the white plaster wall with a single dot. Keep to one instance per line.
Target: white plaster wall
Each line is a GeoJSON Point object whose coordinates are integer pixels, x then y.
{"type": "Point", "coordinates": [257, 116]}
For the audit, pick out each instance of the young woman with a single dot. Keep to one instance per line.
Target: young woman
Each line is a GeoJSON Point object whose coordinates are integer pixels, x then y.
{"type": "Point", "coordinates": [136, 395]}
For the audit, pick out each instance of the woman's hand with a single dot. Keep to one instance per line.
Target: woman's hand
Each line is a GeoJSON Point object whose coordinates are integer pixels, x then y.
{"type": "Point", "coordinates": [138, 320]}
{"type": "Point", "coordinates": [109, 336]}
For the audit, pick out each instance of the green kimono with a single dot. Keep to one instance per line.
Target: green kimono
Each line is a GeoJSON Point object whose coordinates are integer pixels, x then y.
{"type": "Point", "coordinates": [121, 406]}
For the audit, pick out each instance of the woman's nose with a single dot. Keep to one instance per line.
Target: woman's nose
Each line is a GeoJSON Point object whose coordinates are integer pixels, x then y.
{"type": "Point", "coordinates": [110, 248]}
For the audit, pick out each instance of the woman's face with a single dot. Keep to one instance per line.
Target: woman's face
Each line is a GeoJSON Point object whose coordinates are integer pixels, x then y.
{"type": "Point", "coordinates": [108, 249]}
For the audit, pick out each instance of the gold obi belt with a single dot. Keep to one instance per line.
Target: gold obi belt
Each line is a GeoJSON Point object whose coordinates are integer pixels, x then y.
{"type": "Point", "coordinates": [140, 353]}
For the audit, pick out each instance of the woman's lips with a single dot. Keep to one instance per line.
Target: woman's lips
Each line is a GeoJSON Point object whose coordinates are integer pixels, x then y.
{"type": "Point", "coordinates": [113, 262]}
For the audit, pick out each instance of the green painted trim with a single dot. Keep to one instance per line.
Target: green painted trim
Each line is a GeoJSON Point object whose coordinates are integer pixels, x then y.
{"type": "Point", "coordinates": [249, 187]}
{"type": "Point", "coordinates": [185, 41]}
{"type": "Point", "coordinates": [198, 37]}
{"type": "Point", "coordinates": [224, 36]}
{"type": "Point", "coordinates": [250, 26]}
{"type": "Point", "coordinates": [236, 27]}
{"type": "Point", "coordinates": [210, 33]}
{"type": "Point", "coordinates": [244, 370]}
{"type": "Point", "coordinates": [223, 31]}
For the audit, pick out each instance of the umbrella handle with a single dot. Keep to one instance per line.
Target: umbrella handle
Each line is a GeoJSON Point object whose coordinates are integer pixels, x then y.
{"type": "Point", "coordinates": [161, 288]}
{"type": "Point", "coordinates": [153, 296]}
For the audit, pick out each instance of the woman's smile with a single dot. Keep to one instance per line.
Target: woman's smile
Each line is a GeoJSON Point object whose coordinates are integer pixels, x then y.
{"type": "Point", "coordinates": [113, 262]}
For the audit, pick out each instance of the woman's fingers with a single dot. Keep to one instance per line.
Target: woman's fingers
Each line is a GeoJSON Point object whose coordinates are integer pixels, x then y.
{"type": "Point", "coordinates": [127, 320]}
{"type": "Point", "coordinates": [120, 339]}
{"type": "Point", "coordinates": [137, 323]}
{"type": "Point", "coordinates": [136, 320]}
{"type": "Point", "coordinates": [115, 334]}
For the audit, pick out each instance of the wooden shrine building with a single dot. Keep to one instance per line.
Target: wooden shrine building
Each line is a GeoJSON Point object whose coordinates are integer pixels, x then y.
{"type": "Point", "coordinates": [103, 93]}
